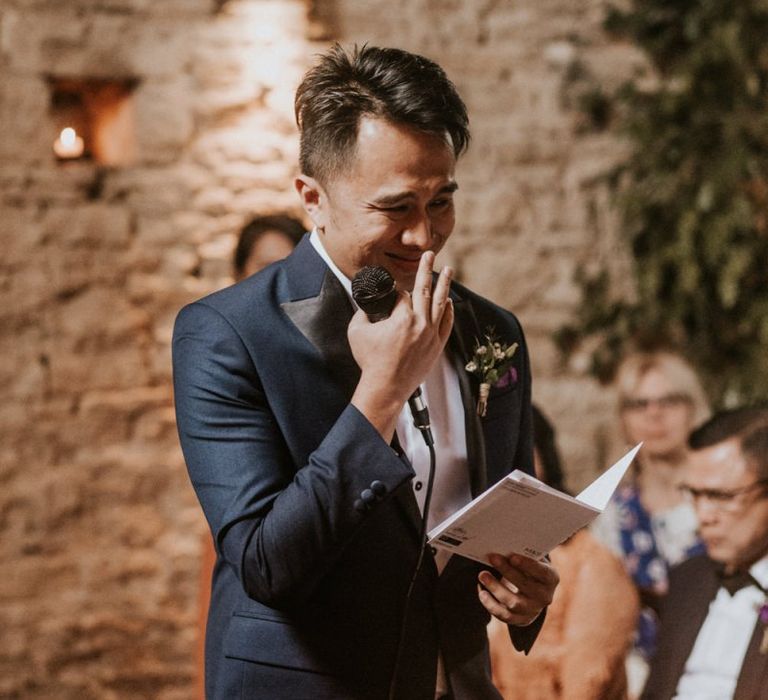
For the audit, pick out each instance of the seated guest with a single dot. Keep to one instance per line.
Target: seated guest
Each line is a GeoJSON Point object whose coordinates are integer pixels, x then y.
{"type": "Point", "coordinates": [581, 648]}
{"type": "Point", "coordinates": [648, 523]}
{"type": "Point", "coordinates": [713, 642]}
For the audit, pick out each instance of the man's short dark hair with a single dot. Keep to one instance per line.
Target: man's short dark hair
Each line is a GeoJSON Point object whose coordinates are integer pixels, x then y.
{"type": "Point", "coordinates": [748, 424]}
{"type": "Point", "coordinates": [399, 86]}
{"type": "Point", "coordinates": [289, 226]}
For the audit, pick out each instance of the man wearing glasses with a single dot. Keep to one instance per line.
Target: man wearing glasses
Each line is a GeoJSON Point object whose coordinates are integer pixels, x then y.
{"type": "Point", "coordinates": [713, 642]}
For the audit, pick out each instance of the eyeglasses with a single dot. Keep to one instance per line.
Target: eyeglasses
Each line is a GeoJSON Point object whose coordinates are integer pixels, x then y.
{"type": "Point", "coordinates": [723, 499]}
{"type": "Point", "coordinates": [667, 401]}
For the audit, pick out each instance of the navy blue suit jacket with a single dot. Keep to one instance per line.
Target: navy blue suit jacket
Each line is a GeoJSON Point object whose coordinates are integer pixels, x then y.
{"type": "Point", "coordinates": [308, 590]}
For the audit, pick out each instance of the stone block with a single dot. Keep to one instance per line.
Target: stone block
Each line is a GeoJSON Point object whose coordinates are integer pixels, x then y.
{"type": "Point", "coordinates": [151, 190]}
{"type": "Point", "coordinates": [93, 225]}
{"type": "Point", "coordinates": [120, 368]}
{"type": "Point", "coordinates": [164, 122]}
{"type": "Point", "coordinates": [27, 136]}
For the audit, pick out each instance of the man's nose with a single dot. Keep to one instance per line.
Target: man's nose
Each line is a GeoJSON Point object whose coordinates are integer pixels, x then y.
{"type": "Point", "coordinates": [706, 511]}
{"type": "Point", "coordinates": [418, 232]}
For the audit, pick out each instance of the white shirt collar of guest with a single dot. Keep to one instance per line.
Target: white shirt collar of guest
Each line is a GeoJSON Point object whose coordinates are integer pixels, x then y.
{"type": "Point", "coordinates": [760, 571]}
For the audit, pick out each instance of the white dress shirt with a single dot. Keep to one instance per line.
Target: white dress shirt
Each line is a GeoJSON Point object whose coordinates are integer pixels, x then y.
{"type": "Point", "coordinates": [442, 396]}
{"type": "Point", "coordinates": [713, 668]}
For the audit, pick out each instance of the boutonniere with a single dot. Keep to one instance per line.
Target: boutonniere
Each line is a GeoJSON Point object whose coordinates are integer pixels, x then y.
{"type": "Point", "coordinates": [763, 617]}
{"type": "Point", "coordinates": [491, 363]}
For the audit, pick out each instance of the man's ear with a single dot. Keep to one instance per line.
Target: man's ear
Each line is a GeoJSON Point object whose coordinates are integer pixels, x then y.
{"type": "Point", "coordinates": [313, 198]}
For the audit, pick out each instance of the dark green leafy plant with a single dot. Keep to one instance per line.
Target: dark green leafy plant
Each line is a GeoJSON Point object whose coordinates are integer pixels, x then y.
{"type": "Point", "coordinates": [693, 195]}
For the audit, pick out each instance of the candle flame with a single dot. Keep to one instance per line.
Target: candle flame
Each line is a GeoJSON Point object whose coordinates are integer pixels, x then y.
{"type": "Point", "coordinates": [68, 136]}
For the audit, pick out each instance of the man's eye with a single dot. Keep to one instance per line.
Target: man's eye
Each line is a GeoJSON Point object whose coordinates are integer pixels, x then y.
{"type": "Point", "coordinates": [399, 209]}
{"type": "Point", "coordinates": [439, 203]}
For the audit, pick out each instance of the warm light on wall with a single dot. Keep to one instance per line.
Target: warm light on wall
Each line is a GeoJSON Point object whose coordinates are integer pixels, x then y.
{"type": "Point", "coordinates": [93, 118]}
{"type": "Point", "coordinates": [68, 145]}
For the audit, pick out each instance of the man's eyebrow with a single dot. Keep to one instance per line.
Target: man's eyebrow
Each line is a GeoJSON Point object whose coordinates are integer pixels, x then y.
{"type": "Point", "coordinates": [398, 197]}
{"type": "Point", "coordinates": [450, 188]}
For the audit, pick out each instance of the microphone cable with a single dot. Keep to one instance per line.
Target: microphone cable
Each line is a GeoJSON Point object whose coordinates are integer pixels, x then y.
{"type": "Point", "coordinates": [416, 569]}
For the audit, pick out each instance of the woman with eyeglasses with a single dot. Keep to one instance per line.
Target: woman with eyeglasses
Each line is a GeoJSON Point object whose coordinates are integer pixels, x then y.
{"type": "Point", "coordinates": [649, 523]}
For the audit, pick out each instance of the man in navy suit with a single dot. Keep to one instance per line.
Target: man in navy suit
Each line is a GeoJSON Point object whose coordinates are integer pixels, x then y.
{"type": "Point", "coordinates": [713, 640]}
{"type": "Point", "coordinates": [292, 416]}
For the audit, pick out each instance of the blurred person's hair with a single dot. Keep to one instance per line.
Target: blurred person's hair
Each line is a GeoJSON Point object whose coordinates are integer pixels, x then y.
{"type": "Point", "coordinates": [545, 444]}
{"type": "Point", "coordinates": [392, 84]}
{"type": "Point", "coordinates": [291, 227]}
{"type": "Point", "coordinates": [679, 374]}
{"type": "Point", "coordinates": [748, 424]}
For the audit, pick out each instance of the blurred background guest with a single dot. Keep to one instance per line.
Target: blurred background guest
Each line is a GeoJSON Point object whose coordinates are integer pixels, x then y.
{"type": "Point", "coordinates": [580, 652]}
{"type": "Point", "coordinates": [262, 241]}
{"type": "Point", "coordinates": [713, 640]}
{"type": "Point", "coordinates": [648, 523]}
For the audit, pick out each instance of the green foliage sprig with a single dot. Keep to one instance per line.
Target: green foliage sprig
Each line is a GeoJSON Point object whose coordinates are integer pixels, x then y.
{"type": "Point", "coordinates": [693, 195]}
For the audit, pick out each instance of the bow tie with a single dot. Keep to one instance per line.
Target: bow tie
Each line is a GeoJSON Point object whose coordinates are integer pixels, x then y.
{"type": "Point", "coordinates": [736, 581]}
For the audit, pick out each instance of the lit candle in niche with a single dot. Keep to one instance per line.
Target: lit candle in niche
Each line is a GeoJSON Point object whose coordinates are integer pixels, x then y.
{"type": "Point", "coordinates": [69, 145]}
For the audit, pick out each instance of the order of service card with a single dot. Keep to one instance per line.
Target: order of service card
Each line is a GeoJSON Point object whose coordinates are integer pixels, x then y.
{"type": "Point", "coordinates": [522, 515]}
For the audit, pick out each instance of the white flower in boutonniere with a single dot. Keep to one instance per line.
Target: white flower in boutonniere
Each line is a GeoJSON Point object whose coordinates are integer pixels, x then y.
{"type": "Point", "coordinates": [491, 363]}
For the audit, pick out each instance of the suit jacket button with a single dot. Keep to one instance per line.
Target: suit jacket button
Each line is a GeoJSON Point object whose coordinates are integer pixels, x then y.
{"type": "Point", "coordinates": [379, 488]}
{"type": "Point", "coordinates": [360, 506]}
{"type": "Point", "coordinates": [367, 496]}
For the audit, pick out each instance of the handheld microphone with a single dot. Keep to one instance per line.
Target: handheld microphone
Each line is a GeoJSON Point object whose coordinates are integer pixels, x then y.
{"type": "Point", "coordinates": [373, 290]}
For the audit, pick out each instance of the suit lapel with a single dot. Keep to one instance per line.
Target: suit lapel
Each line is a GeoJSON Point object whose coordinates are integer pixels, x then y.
{"type": "Point", "coordinates": [753, 678]}
{"type": "Point", "coordinates": [465, 330]}
{"type": "Point", "coordinates": [320, 308]}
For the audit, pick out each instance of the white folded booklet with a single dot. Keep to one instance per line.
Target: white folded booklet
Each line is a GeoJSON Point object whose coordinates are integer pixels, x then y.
{"type": "Point", "coordinates": [522, 515]}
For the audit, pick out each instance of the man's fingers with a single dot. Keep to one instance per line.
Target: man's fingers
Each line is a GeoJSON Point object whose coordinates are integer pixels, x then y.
{"type": "Point", "coordinates": [526, 587]}
{"type": "Point", "coordinates": [422, 287]}
{"type": "Point", "coordinates": [446, 322]}
{"type": "Point", "coordinates": [538, 571]}
{"type": "Point", "coordinates": [440, 294]}
{"type": "Point", "coordinates": [513, 609]}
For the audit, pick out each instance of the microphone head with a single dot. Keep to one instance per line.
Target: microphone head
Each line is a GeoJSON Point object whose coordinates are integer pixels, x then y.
{"type": "Point", "coordinates": [373, 290]}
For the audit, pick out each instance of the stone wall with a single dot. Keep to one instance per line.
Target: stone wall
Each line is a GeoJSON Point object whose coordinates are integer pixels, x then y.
{"type": "Point", "coordinates": [99, 529]}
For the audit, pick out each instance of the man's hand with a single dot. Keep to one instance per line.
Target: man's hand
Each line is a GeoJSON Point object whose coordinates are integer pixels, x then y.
{"type": "Point", "coordinates": [525, 589]}
{"type": "Point", "coordinates": [395, 354]}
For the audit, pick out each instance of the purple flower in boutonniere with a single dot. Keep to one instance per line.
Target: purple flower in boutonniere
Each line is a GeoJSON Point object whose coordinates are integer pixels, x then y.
{"type": "Point", "coordinates": [491, 363]}
{"type": "Point", "coordinates": [509, 378]}
{"type": "Point", "coordinates": [763, 617]}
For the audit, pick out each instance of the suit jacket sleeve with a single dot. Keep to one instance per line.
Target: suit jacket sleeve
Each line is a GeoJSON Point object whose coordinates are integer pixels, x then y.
{"type": "Point", "coordinates": [280, 525]}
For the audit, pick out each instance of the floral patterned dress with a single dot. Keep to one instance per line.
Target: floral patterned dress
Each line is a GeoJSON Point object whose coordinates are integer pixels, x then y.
{"type": "Point", "coordinates": [648, 545]}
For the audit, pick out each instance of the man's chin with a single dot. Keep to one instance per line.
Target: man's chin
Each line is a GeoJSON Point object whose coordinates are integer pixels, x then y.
{"type": "Point", "coordinates": [720, 556]}
{"type": "Point", "coordinates": [404, 282]}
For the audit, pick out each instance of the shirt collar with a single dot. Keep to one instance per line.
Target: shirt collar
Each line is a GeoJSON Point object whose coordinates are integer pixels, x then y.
{"type": "Point", "coordinates": [317, 244]}
{"type": "Point", "coordinates": [760, 571]}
